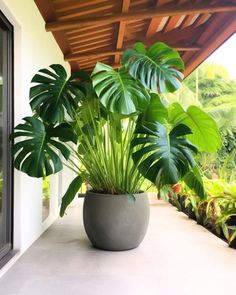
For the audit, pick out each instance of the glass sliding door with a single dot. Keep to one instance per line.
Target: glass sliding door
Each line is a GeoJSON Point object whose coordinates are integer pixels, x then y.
{"type": "Point", "coordinates": [6, 82]}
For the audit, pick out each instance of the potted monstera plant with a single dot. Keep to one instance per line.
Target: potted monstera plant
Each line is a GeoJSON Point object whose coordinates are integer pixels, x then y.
{"type": "Point", "coordinates": [113, 129]}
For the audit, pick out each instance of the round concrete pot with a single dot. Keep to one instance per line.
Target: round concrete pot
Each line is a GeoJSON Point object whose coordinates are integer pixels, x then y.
{"type": "Point", "coordinates": [115, 222]}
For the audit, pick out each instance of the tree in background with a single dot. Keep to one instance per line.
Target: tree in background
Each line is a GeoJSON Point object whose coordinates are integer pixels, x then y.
{"type": "Point", "coordinates": [217, 95]}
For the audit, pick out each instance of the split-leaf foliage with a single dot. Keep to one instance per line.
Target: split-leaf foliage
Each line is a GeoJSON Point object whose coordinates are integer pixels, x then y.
{"type": "Point", "coordinates": [112, 128]}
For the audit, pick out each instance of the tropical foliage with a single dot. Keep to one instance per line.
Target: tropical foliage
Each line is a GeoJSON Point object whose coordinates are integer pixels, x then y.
{"type": "Point", "coordinates": [211, 88]}
{"type": "Point", "coordinates": [113, 128]}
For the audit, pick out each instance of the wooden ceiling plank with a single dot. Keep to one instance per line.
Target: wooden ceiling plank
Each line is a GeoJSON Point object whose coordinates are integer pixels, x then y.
{"type": "Point", "coordinates": [174, 20]}
{"type": "Point", "coordinates": [47, 11]}
{"type": "Point", "coordinates": [62, 7]}
{"type": "Point", "coordinates": [189, 20]}
{"type": "Point", "coordinates": [85, 49]}
{"type": "Point", "coordinates": [90, 38]}
{"type": "Point", "coordinates": [90, 45]}
{"type": "Point", "coordinates": [121, 31]}
{"type": "Point", "coordinates": [92, 62]}
{"type": "Point", "coordinates": [202, 19]}
{"type": "Point", "coordinates": [155, 22]}
{"type": "Point", "coordinates": [77, 56]}
{"type": "Point", "coordinates": [87, 55]}
{"type": "Point", "coordinates": [84, 30]}
{"type": "Point", "coordinates": [176, 36]}
{"type": "Point", "coordinates": [171, 24]}
{"type": "Point", "coordinates": [171, 10]}
{"type": "Point", "coordinates": [89, 28]}
{"type": "Point", "coordinates": [88, 32]}
{"type": "Point", "coordinates": [102, 8]}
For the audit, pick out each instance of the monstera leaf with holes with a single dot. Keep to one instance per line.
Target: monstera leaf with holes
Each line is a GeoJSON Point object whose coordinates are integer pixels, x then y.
{"type": "Point", "coordinates": [205, 134]}
{"type": "Point", "coordinates": [163, 157]}
{"type": "Point", "coordinates": [157, 68]}
{"type": "Point", "coordinates": [118, 91]}
{"type": "Point", "coordinates": [113, 102]}
{"type": "Point", "coordinates": [54, 95]}
{"type": "Point", "coordinates": [38, 154]}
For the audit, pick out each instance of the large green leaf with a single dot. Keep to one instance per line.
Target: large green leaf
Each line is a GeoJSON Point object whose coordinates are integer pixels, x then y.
{"type": "Point", "coordinates": [70, 194]}
{"type": "Point", "coordinates": [194, 181]}
{"type": "Point", "coordinates": [163, 157]}
{"type": "Point", "coordinates": [118, 91]}
{"type": "Point", "coordinates": [37, 154]}
{"type": "Point", "coordinates": [156, 111]}
{"type": "Point", "coordinates": [54, 95]}
{"type": "Point", "coordinates": [205, 133]}
{"type": "Point", "coordinates": [157, 68]}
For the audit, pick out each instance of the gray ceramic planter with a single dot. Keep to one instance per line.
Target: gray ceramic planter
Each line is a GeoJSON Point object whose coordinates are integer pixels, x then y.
{"type": "Point", "coordinates": [115, 222]}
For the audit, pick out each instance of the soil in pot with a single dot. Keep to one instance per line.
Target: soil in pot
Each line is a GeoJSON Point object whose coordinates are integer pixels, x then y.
{"type": "Point", "coordinates": [115, 222]}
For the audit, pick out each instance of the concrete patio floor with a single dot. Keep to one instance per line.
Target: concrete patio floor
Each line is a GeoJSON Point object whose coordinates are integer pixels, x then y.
{"type": "Point", "coordinates": [177, 257]}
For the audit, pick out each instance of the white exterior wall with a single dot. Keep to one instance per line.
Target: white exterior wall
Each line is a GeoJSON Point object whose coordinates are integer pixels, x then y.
{"type": "Point", "coordinates": [33, 49]}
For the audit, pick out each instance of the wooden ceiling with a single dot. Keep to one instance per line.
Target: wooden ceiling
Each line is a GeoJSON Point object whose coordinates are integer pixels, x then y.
{"type": "Point", "coordinates": [88, 31]}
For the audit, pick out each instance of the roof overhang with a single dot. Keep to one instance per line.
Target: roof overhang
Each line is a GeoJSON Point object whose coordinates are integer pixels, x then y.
{"type": "Point", "coordinates": [99, 30]}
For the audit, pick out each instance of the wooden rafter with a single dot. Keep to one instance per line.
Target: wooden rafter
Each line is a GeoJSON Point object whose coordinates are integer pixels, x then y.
{"type": "Point", "coordinates": [82, 56]}
{"type": "Point", "coordinates": [171, 10]}
{"type": "Point", "coordinates": [173, 38]}
{"type": "Point", "coordinates": [211, 43]}
{"type": "Point", "coordinates": [46, 8]}
{"type": "Point", "coordinates": [155, 22]}
{"type": "Point", "coordinates": [121, 31]}
{"type": "Point", "coordinates": [174, 21]}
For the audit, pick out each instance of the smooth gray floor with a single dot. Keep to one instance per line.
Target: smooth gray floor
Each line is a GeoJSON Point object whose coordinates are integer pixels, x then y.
{"type": "Point", "coordinates": [177, 257]}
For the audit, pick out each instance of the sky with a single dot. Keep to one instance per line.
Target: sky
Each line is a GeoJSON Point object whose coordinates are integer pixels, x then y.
{"type": "Point", "coordinates": [225, 55]}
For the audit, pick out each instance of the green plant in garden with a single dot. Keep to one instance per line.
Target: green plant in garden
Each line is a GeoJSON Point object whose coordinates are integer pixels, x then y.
{"type": "Point", "coordinates": [215, 91]}
{"type": "Point", "coordinates": [116, 125]}
{"type": "Point", "coordinates": [229, 232]}
{"type": "Point", "coordinates": [218, 207]}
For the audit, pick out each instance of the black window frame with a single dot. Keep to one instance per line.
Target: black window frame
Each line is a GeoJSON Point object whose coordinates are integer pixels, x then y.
{"type": "Point", "coordinates": [8, 91]}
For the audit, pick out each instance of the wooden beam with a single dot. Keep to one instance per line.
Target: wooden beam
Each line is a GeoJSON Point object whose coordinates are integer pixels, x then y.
{"type": "Point", "coordinates": [210, 44]}
{"type": "Point", "coordinates": [89, 34]}
{"type": "Point", "coordinates": [78, 4]}
{"type": "Point", "coordinates": [86, 49]}
{"type": "Point", "coordinates": [190, 18]}
{"type": "Point", "coordinates": [161, 11]}
{"type": "Point", "coordinates": [47, 11]}
{"type": "Point", "coordinates": [90, 43]}
{"type": "Point", "coordinates": [202, 19]}
{"type": "Point", "coordinates": [99, 8]}
{"type": "Point", "coordinates": [89, 38]}
{"type": "Point", "coordinates": [121, 31]}
{"type": "Point", "coordinates": [155, 22]}
{"type": "Point", "coordinates": [173, 38]}
{"type": "Point", "coordinates": [87, 56]}
{"type": "Point", "coordinates": [174, 21]}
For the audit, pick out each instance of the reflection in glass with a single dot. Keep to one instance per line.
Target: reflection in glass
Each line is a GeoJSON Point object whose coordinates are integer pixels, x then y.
{"type": "Point", "coordinates": [46, 197]}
